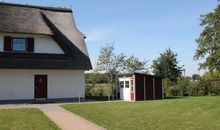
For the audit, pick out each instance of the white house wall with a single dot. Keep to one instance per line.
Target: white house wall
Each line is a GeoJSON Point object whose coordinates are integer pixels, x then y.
{"type": "Point", "coordinates": [19, 84]}
{"type": "Point", "coordinates": [43, 43]}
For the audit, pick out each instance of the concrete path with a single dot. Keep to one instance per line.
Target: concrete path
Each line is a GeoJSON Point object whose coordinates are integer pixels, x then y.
{"type": "Point", "coordinates": [63, 118]}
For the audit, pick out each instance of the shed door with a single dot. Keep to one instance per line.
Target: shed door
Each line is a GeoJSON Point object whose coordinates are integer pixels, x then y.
{"type": "Point", "coordinates": [40, 86]}
{"type": "Point", "coordinates": [125, 92]}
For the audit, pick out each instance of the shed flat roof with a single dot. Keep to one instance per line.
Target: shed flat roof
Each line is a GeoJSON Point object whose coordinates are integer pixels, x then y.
{"type": "Point", "coordinates": [131, 74]}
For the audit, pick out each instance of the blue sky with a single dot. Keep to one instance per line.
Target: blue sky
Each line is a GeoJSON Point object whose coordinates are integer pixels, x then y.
{"type": "Point", "coordinates": [144, 28]}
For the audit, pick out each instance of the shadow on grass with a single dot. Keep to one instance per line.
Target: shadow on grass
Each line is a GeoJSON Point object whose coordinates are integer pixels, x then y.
{"type": "Point", "coordinates": [176, 97]}
{"type": "Point", "coordinates": [105, 98]}
{"type": "Point", "coordinates": [99, 98]}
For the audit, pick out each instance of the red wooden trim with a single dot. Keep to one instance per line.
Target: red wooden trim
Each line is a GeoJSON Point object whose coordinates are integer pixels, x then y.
{"type": "Point", "coordinates": [30, 44]}
{"type": "Point", "coordinates": [132, 96]}
{"type": "Point", "coordinates": [7, 43]}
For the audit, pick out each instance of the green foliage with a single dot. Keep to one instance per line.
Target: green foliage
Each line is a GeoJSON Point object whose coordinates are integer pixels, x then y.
{"type": "Point", "coordinates": [98, 90]}
{"type": "Point", "coordinates": [208, 84]}
{"type": "Point", "coordinates": [183, 86]}
{"type": "Point", "coordinates": [179, 88]}
{"type": "Point", "coordinates": [169, 89]}
{"type": "Point", "coordinates": [93, 78]}
{"type": "Point", "coordinates": [166, 66]}
{"type": "Point", "coordinates": [110, 63]}
{"type": "Point", "coordinates": [212, 82]}
{"type": "Point", "coordinates": [201, 88]}
{"type": "Point", "coordinates": [214, 75]}
{"type": "Point", "coordinates": [209, 41]}
{"type": "Point", "coordinates": [133, 64]}
{"type": "Point", "coordinates": [196, 77]}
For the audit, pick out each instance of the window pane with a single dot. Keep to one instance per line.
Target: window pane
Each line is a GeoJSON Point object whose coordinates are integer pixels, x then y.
{"type": "Point", "coordinates": [127, 84]}
{"type": "Point", "coordinates": [22, 40]}
{"type": "Point", "coordinates": [132, 82]}
{"type": "Point", "coordinates": [19, 44]}
{"type": "Point", "coordinates": [121, 84]}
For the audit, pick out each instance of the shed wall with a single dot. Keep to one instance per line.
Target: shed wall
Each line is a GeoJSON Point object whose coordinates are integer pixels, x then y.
{"type": "Point", "coordinates": [148, 87]}
{"type": "Point", "coordinates": [139, 87]}
{"type": "Point", "coordinates": [158, 88]}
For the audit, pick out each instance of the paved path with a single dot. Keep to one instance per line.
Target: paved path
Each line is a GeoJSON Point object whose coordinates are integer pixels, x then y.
{"type": "Point", "coordinates": [63, 118]}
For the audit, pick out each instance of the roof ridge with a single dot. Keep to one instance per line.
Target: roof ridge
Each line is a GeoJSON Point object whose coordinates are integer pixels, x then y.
{"type": "Point", "coordinates": [60, 9]}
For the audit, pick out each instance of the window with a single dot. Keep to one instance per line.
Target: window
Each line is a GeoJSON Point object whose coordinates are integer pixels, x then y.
{"type": "Point", "coordinates": [121, 84]}
{"type": "Point", "coordinates": [132, 83]}
{"type": "Point", "coordinates": [19, 44]}
{"type": "Point", "coordinates": [127, 84]}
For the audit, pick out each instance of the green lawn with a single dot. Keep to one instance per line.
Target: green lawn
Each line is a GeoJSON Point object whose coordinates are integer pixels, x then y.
{"type": "Point", "coordinates": [25, 119]}
{"type": "Point", "coordinates": [201, 113]}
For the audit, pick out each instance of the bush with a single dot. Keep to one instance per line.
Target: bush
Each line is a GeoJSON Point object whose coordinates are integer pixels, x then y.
{"type": "Point", "coordinates": [183, 85]}
{"type": "Point", "coordinates": [98, 90]}
{"type": "Point", "coordinates": [179, 88]}
{"type": "Point", "coordinates": [196, 89]}
{"type": "Point", "coordinates": [208, 84]}
{"type": "Point", "coordinates": [215, 88]}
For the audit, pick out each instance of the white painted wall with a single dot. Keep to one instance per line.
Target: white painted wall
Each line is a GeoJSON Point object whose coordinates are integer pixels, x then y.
{"type": "Point", "coordinates": [19, 83]}
{"type": "Point", "coordinates": [43, 43]}
{"type": "Point", "coordinates": [1, 43]}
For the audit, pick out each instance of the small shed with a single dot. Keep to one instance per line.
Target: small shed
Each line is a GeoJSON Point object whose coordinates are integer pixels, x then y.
{"type": "Point", "coordinates": [139, 87]}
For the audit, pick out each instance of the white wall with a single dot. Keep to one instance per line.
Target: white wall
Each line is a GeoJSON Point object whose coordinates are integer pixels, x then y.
{"type": "Point", "coordinates": [19, 84]}
{"type": "Point", "coordinates": [1, 43]}
{"type": "Point", "coordinates": [43, 43]}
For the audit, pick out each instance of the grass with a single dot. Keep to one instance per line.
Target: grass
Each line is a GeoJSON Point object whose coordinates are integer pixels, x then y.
{"type": "Point", "coordinates": [25, 119]}
{"type": "Point", "coordinates": [191, 113]}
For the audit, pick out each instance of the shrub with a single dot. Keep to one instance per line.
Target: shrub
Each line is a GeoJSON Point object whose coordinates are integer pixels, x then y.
{"type": "Point", "coordinates": [98, 90]}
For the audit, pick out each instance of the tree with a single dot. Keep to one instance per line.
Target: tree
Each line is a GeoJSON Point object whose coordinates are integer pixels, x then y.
{"type": "Point", "coordinates": [196, 77]}
{"type": "Point", "coordinates": [95, 77]}
{"type": "Point", "coordinates": [110, 63]}
{"type": "Point", "coordinates": [133, 64]}
{"type": "Point", "coordinates": [209, 41]}
{"type": "Point", "coordinates": [166, 66]}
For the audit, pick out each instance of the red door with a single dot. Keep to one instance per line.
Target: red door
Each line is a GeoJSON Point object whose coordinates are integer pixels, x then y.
{"type": "Point", "coordinates": [40, 86]}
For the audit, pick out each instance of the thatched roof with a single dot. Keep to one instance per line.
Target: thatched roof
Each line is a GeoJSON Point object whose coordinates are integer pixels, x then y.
{"type": "Point", "coordinates": [56, 22]}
